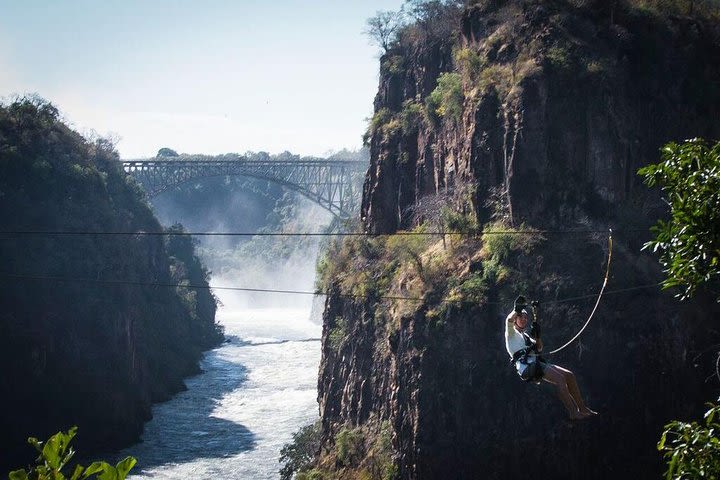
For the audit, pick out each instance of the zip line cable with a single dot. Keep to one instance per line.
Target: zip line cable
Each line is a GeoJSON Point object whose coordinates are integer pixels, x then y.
{"type": "Point", "coordinates": [293, 292]}
{"type": "Point", "coordinates": [189, 286]}
{"type": "Point", "coordinates": [302, 234]}
{"type": "Point", "coordinates": [597, 302]}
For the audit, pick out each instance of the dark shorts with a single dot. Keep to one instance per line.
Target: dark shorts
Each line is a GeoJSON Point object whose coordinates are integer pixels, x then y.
{"type": "Point", "coordinates": [532, 368]}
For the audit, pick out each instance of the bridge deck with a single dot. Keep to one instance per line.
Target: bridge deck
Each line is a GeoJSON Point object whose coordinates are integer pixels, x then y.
{"type": "Point", "coordinates": [330, 183]}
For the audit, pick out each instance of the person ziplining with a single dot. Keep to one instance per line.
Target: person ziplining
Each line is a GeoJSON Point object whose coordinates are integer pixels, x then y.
{"type": "Point", "coordinates": [524, 344]}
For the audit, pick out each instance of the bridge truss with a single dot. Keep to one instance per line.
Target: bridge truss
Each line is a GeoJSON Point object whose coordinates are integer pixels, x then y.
{"type": "Point", "coordinates": [335, 185]}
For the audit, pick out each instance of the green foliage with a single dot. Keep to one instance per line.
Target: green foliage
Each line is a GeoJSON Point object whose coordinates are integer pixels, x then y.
{"type": "Point", "coordinates": [186, 269]}
{"type": "Point", "coordinates": [166, 152]}
{"type": "Point", "coordinates": [560, 58]}
{"type": "Point", "coordinates": [499, 248]}
{"type": "Point", "coordinates": [446, 101]}
{"type": "Point", "coordinates": [380, 461]}
{"type": "Point", "coordinates": [472, 289]}
{"type": "Point", "coordinates": [384, 123]}
{"type": "Point", "coordinates": [692, 450]}
{"type": "Point", "coordinates": [392, 64]}
{"type": "Point", "coordinates": [500, 241]}
{"type": "Point", "coordinates": [411, 117]}
{"type": "Point", "coordinates": [433, 19]}
{"type": "Point", "coordinates": [688, 243]}
{"type": "Point", "coordinates": [349, 446]}
{"type": "Point", "coordinates": [409, 249]}
{"type": "Point", "coordinates": [477, 76]}
{"type": "Point", "coordinates": [499, 77]}
{"type": "Point", "coordinates": [469, 63]}
{"type": "Point", "coordinates": [95, 350]}
{"type": "Point", "coordinates": [455, 221]}
{"type": "Point", "coordinates": [379, 119]}
{"type": "Point", "coordinates": [312, 474]}
{"type": "Point", "coordinates": [356, 264]}
{"type": "Point", "coordinates": [55, 455]}
{"type": "Point", "coordinates": [299, 454]}
{"type": "Point", "coordinates": [596, 67]}
{"type": "Point", "coordinates": [338, 333]}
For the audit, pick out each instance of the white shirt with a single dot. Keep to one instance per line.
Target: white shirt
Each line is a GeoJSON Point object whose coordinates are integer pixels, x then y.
{"type": "Point", "coordinates": [514, 340]}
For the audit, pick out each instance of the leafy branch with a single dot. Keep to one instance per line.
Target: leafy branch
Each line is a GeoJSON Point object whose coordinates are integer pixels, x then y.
{"type": "Point", "coordinates": [55, 455]}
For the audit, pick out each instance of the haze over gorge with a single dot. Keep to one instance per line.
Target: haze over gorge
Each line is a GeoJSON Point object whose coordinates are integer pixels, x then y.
{"type": "Point", "coordinates": [314, 307]}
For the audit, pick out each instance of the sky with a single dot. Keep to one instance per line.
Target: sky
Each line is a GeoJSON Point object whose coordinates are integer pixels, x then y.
{"type": "Point", "coordinates": [211, 76]}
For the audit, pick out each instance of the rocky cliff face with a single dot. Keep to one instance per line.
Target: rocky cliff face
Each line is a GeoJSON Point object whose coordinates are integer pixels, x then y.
{"type": "Point", "coordinates": [82, 340]}
{"type": "Point", "coordinates": [546, 114]}
{"type": "Point", "coordinates": [559, 105]}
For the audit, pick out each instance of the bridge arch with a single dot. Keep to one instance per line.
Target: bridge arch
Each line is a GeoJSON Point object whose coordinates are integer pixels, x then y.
{"type": "Point", "coordinates": [331, 184]}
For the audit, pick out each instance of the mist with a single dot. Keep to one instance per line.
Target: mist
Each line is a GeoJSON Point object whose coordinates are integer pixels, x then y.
{"type": "Point", "coordinates": [255, 262]}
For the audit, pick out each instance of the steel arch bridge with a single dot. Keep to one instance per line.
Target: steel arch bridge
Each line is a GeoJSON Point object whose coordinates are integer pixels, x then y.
{"type": "Point", "coordinates": [332, 184]}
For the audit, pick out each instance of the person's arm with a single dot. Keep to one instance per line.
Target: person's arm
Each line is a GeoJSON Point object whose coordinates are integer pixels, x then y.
{"type": "Point", "coordinates": [536, 326]}
{"type": "Point", "coordinates": [537, 337]}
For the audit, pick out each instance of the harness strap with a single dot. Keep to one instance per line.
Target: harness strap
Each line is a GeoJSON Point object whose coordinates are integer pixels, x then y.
{"type": "Point", "coordinates": [522, 354]}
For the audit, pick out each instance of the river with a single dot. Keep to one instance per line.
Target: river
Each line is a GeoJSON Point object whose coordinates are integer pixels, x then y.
{"type": "Point", "coordinates": [256, 390]}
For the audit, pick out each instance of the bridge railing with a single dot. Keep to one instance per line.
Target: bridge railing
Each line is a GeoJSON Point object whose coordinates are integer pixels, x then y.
{"type": "Point", "coordinates": [330, 183]}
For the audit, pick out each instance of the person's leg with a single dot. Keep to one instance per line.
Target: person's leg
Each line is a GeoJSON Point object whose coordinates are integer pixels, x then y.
{"type": "Point", "coordinates": [575, 391]}
{"type": "Point", "coordinates": [556, 377]}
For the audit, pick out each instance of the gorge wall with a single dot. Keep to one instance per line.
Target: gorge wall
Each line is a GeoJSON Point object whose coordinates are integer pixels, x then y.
{"type": "Point", "coordinates": [519, 115]}
{"type": "Point", "coordinates": [85, 337]}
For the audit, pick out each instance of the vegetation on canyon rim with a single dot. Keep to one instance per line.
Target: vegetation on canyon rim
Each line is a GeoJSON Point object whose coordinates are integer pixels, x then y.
{"type": "Point", "coordinates": [443, 273]}
{"type": "Point", "coordinates": [446, 273]}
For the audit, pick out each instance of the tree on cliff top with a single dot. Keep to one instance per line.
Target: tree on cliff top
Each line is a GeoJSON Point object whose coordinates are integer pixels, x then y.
{"type": "Point", "coordinates": [689, 242]}
{"type": "Point", "coordinates": [383, 27]}
{"type": "Point", "coordinates": [436, 19]}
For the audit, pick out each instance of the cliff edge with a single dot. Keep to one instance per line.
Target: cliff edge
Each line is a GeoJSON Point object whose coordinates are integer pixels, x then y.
{"type": "Point", "coordinates": [494, 121]}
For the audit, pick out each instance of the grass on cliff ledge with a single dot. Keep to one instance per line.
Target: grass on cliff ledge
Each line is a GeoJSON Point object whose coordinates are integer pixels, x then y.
{"type": "Point", "coordinates": [356, 453]}
{"type": "Point", "coordinates": [436, 271]}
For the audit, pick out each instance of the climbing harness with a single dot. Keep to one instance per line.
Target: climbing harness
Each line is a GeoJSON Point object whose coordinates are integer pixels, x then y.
{"type": "Point", "coordinates": [528, 361]}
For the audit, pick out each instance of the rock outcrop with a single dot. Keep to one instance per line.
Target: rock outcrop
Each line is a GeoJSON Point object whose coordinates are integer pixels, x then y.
{"type": "Point", "coordinates": [88, 334]}
{"type": "Point", "coordinates": [546, 111]}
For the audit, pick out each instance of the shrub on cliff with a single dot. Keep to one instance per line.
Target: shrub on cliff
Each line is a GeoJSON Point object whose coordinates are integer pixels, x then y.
{"type": "Point", "coordinates": [349, 446]}
{"type": "Point", "coordinates": [446, 101]}
{"type": "Point", "coordinates": [298, 455]}
{"type": "Point", "coordinates": [689, 242]}
{"type": "Point", "coordinates": [385, 123]}
{"type": "Point", "coordinates": [186, 269]}
{"type": "Point", "coordinates": [411, 117]}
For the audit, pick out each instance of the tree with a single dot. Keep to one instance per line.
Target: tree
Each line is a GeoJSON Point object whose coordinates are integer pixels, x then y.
{"type": "Point", "coordinates": [692, 450]}
{"type": "Point", "coordinates": [436, 18]}
{"type": "Point", "coordinates": [689, 242]}
{"type": "Point", "coordinates": [167, 152]}
{"type": "Point", "coordinates": [383, 28]}
{"type": "Point", "coordinates": [299, 454]}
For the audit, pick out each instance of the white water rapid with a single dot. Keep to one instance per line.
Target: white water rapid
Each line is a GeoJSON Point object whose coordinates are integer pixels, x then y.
{"type": "Point", "coordinates": [256, 390]}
